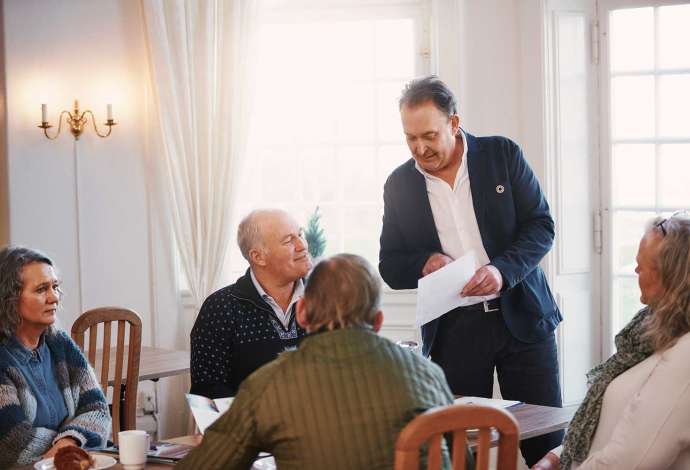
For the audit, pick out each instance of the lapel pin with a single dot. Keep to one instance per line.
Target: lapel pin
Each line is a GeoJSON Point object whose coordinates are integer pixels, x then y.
{"type": "Point", "coordinates": [500, 189]}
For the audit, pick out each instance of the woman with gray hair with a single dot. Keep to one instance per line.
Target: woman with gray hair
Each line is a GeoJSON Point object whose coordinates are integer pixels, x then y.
{"type": "Point", "coordinates": [49, 395]}
{"type": "Point", "coordinates": [636, 413]}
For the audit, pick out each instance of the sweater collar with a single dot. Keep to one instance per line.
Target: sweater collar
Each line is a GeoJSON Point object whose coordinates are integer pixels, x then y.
{"type": "Point", "coordinates": [297, 292]}
{"type": "Point", "coordinates": [23, 354]}
{"type": "Point", "coordinates": [244, 287]}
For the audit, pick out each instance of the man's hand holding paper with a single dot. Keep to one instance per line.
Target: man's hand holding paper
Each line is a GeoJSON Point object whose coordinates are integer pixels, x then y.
{"type": "Point", "coordinates": [486, 281]}
{"type": "Point", "coordinates": [435, 262]}
{"type": "Point", "coordinates": [440, 291]}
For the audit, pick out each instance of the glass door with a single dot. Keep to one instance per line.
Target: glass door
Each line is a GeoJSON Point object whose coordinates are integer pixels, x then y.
{"type": "Point", "coordinates": [645, 85]}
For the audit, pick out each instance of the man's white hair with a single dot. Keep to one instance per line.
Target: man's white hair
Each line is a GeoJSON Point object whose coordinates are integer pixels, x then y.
{"type": "Point", "coordinates": [249, 232]}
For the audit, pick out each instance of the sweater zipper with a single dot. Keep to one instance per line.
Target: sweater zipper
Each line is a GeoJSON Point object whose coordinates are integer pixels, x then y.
{"type": "Point", "coordinates": [268, 310]}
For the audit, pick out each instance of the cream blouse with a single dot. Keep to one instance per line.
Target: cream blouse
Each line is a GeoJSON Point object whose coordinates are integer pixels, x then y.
{"type": "Point", "coordinates": [645, 416]}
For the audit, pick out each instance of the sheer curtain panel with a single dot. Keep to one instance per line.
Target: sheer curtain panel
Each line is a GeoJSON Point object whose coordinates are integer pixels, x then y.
{"type": "Point", "coordinates": [200, 58]}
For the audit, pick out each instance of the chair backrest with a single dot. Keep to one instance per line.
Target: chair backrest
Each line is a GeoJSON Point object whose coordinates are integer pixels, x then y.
{"type": "Point", "coordinates": [99, 356]}
{"type": "Point", "coordinates": [458, 419]}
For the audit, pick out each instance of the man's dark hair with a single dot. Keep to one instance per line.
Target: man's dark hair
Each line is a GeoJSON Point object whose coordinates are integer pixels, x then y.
{"type": "Point", "coordinates": [431, 88]}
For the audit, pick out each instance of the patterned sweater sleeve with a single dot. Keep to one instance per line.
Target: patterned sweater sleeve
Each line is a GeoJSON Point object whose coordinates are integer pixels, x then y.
{"type": "Point", "coordinates": [211, 352]}
{"type": "Point", "coordinates": [90, 421]}
{"type": "Point", "coordinates": [20, 442]}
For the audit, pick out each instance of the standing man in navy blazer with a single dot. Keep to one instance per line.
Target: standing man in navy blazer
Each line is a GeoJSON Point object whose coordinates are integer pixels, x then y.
{"type": "Point", "coordinates": [460, 193]}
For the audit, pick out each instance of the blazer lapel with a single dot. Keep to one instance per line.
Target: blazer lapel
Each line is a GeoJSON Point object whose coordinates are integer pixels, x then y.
{"type": "Point", "coordinates": [419, 205]}
{"type": "Point", "coordinates": [476, 171]}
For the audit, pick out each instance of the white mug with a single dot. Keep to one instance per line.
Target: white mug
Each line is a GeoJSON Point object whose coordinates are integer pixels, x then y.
{"type": "Point", "coordinates": [133, 448]}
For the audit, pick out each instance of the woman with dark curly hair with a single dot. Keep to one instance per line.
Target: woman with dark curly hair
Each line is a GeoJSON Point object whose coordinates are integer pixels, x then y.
{"type": "Point", "coordinates": [49, 395]}
{"type": "Point", "coordinates": [636, 413]}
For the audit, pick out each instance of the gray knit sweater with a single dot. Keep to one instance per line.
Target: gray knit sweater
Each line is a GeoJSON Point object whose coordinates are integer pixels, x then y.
{"type": "Point", "coordinates": [88, 419]}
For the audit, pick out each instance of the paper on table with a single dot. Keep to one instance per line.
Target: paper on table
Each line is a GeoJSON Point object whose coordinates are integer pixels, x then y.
{"type": "Point", "coordinates": [205, 410]}
{"type": "Point", "coordinates": [223, 404]}
{"type": "Point", "coordinates": [439, 292]}
{"type": "Point", "coordinates": [493, 402]}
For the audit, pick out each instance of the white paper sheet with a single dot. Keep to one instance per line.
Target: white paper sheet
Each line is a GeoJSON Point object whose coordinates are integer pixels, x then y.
{"type": "Point", "coordinates": [223, 404]}
{"type": "Point", "coordinates": [439, 292]}
{"type": "Point", "coordinates": [493, 402]}
{"type": "Point", "coordinates": [205, 410]}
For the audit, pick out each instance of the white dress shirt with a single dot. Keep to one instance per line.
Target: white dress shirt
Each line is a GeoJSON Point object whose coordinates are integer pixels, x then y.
{"type": "Point", "coordinates": [454, 217]}
{"type": "Point", "coordinates": [283, 316]}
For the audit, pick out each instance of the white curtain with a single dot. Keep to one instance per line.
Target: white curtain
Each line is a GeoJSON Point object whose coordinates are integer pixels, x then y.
{"type": "Point", "coordinates": [200, 56]}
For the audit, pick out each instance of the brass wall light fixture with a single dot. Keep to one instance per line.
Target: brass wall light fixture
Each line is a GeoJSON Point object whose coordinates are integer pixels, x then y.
{"type": "Point", "coordinates": [76, 120]}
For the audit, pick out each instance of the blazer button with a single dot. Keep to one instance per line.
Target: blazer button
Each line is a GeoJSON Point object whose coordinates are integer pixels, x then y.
{"type": "Point", "coordinates": [500, 189]}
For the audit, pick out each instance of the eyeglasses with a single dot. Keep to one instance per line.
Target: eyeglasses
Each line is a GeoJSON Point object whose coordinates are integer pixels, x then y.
{"type": "Point", "coordinates": [660, 224]}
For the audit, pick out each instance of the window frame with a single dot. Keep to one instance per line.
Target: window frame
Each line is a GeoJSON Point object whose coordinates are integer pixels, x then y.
{"type": "Point", "coordinates": [610, 273]}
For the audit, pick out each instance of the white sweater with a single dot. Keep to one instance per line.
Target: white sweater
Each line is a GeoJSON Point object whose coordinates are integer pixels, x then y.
{"type": "Point", "coordinates": [645, 416]}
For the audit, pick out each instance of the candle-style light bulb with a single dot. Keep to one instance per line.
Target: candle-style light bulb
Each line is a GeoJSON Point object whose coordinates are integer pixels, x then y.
{"type": "Point", "coordinates": [110, 112]}
{"type": "Point", "coordinates": [44, 113]}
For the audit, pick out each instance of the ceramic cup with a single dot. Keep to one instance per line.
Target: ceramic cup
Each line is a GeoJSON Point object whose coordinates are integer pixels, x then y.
{"type": "Point", "coordinates": [133, 447]}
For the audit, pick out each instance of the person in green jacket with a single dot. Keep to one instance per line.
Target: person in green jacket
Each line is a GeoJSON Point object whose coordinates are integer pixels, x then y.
{"type": "Point", "coordinates": [341, 399]}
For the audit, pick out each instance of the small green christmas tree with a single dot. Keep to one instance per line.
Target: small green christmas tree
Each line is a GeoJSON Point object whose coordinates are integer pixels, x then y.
{"type": "Point", "coordinates": [314, 235]}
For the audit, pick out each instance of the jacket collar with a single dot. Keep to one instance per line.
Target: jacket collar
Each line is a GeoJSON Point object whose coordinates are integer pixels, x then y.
{"type": "Point", "coordinates": [473, 145]}
{"type": "Point", "coordinates": [23, 354]}
{"type": "Point", "coordinates": [476, 169]}
{"type": "Point", "coordinates": [244, 288]}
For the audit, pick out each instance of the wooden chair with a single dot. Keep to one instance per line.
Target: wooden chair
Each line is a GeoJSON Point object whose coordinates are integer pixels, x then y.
{"type": "Point", "coordinates": [430, 426]}
{"type": "Point", "coordinates": [124, 394]}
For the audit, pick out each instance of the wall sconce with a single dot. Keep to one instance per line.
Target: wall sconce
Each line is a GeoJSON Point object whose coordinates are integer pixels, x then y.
{"type": "Point", "coordinates": [76, 121]}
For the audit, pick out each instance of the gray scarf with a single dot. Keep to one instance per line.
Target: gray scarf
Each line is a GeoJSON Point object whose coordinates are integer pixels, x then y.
{"type": "Point", "coordinates": [630, 350]}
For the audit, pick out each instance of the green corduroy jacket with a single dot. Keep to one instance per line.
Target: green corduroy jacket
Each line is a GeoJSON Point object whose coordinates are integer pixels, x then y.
{"type": "Point", "coordinates": [338, 402]}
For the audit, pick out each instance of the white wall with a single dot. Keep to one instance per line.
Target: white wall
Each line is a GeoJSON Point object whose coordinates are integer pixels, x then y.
{"type": "Point", "coordinates": [56, 51]}
{"type": "Point", "coordinates": [500, 72]}
{"type": "Point", "coordinates": [490, 92]}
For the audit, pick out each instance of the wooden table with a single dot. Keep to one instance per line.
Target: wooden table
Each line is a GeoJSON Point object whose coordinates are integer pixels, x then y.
{"type": "Point", "coordinates": [154, 363]}
{"type": "Point", "coordinates": [193, 440]}
{"type": "Point", "coordinates": [534, 420]}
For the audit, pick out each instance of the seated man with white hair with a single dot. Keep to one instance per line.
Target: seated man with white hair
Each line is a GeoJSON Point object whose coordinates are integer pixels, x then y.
{"type": "Point", "coordinates": [247, 324]}
{"type": "Point", "coordinates": [341, 399]}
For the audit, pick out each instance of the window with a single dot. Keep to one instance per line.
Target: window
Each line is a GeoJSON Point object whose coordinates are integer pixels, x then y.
{"type": "Point", "coordinates": [325, 127]}
{"type": "Point", "coordinates": [649, 83]}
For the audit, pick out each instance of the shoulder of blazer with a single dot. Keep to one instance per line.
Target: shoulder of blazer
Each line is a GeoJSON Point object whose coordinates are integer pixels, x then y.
{"type": "Point", "coordinates": [404, 173]}
{"type": "Point", "coordinates": [491, 146]}
{"type": "Point", "coordinates": [405, 191]}
{"type": "Point", "coordinates": [486, 155]}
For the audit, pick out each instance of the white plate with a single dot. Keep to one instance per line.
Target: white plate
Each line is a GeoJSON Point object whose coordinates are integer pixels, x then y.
{"type": "Point", "coordinates": [102, 461]}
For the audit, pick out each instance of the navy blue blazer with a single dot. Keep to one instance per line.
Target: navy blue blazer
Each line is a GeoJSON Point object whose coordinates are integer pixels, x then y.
{"type": "Point", "coordinates": [515, 226]}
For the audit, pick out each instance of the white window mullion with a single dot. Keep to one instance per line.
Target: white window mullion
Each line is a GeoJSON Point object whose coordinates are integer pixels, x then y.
{"type": "Point", "coordinates": [657, 175]}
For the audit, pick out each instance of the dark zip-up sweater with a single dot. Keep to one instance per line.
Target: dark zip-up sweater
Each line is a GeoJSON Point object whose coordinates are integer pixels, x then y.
{"type": "Point", "coordinates": [235, 333]}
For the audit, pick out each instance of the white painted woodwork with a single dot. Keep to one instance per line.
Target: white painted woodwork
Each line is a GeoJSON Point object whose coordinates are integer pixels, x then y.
{"type": "Point", "coordinates": [571, 139]}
